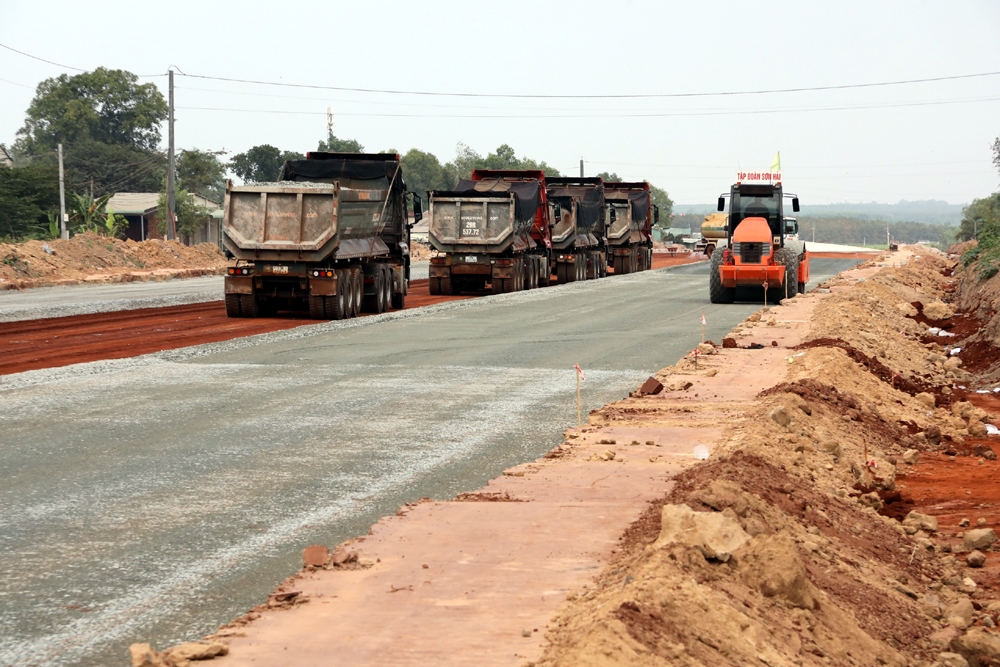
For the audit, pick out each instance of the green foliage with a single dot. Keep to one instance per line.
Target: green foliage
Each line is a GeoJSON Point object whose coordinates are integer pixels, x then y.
{"type": "Point", "coordinates": [423, 171]}
{"type": "Point", "coordinates": [115, 225]}
{"type": "Point", "coordinates": [610, 177]}
{"type": "Point", "coordinates": [661, 199]}
{"type": "Point", "coordinates": [466, 159]}
{"type": "Point", "coordinates": [202, 172]}
{"type": "Point", "coordinates": [190, 216]}
{"type": "Point", "coordinates": [996, 153]}
{"type": "Point", "coordinates": [104, 106]}
{"type": "Point", "coordinates": [978, 215]}
{"type": "Point", "coordinates": [261, 163]}
{"type": "Point", "coordinates": [26, 195]}
{"type": "Point", "coordinates": [335, 145]}
{"type": "Point", "coordinates": [86, 212]}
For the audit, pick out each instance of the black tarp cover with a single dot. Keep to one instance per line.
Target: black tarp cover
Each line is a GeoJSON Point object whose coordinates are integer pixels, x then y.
{"type": "Point", "coordinates": [640, 205]}
{"type": "Point", "coordinates": [527, 194]}
{"type": "Point", "coordinates": [590, 203]}
{"type": "Point", "coordinates": [323, 166]}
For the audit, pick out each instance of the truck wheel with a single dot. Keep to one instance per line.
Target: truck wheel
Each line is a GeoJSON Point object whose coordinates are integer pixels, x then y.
{"type": "Point", "coordinates": [386, 287]}
{"type": "Point", "coordinates": [398, 298]}
{"type": "Point", "coordinates": [331, 304]}
{"type": "Point", "coordinates": [434, 286]}
{"type": "Point", "coordinates": [446, 286]}
{"type": "Point", "coordinates": [249, 306]}
{"type": "Point", "coordinates": [369, 302]}
{"type": "Point", "coordinates": [544, 271]}
{"type": "Point", "coordinates": [317, 307]}
{"type": "Point", "coordinates": [342, 298]}
{"type": "Point", "coordinates": [716, 292]}
{"type": "Point", "coordinates": [350, 295]}
{"type": "Point", "coordinates": [359, 289]}
{"type": "Point", "coordinates": [581, 267]}
{"type": "Point", "coordinates": [233, 305]}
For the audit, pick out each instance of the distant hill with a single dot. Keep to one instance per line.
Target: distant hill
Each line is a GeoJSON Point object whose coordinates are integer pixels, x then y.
{"type": "Point", "coordinates": [930, 211]}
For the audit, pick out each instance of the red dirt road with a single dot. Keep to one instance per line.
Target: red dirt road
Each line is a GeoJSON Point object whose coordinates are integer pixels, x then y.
{"type": "Point", "coordinates": [61, 341]}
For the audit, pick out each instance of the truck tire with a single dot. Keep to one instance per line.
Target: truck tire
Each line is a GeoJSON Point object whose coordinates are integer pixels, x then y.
{"type": "Point", "coordinates": [717, 293]}
{"type": "Point", "coordinates": [317, 307]}
{"type": "Point", "coordinates": [544, 271]}
{"type": "Point", "coordinates": [332, 306]}
{"type": "Point", "coordinates": [370, 302]}
{"type": "Point", "coordinates": [342, 297]}
{"type": "Point", "coordinates": [560, 274]}
{"type": "Point", "coordinates": [359, 289]}
{"type": "Point", "coordinates": [446, 286]}
{"type": "Point", "coordinates": [233, 305]}
{"type": "Point", "coordinates": [387, 287]}
{"type": "Point", "coordinates": [434, 286]}
{"type": "Point", "coordinates": [350, 295]}
{"type": "Point", "coordinates": [381, 303]}
{"type": "Point", "coordinates": [398, 297]}
{"type": "Point", "coordinates": [249, 306]}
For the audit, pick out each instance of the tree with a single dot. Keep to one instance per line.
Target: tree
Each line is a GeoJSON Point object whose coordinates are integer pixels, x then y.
{"type": "Point", "coordinates": [466, 159]}
{"type": "Point", "coordinates": [979, 215]}
{"type": "Point", "coordinates": [188, 214]}
{"type": "Point", "coordinates": [664, 202]}
{"type": "Point", "coordinates": [86, 212]}
{"type": "Point", "coordinates": [996, 153]}
{"type": "Point", "coordinates": [261, 163]}
{"type": "Point", "coordinates": [105, 106]}
{"type": "Point", "coordinates": [27, 194]}
{"type": "Point", "coordinates": [335, 145]}
{"type": "Point", "coordinates": [201, 172]}
{"type": "Point", "coordinates": [610, 177]}
{"type": "Point", "coordinates": [423, 171]}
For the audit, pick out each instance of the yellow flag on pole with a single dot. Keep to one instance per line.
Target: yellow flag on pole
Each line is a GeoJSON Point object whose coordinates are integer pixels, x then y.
{"type": "Point", "coordinates": [776, 165]}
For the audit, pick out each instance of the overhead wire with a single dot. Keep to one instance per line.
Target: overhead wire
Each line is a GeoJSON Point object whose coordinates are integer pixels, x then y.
{"type": "Point", "coordinates": [653, 114]}
{"type": "Point", "coordinates": [772, 91]}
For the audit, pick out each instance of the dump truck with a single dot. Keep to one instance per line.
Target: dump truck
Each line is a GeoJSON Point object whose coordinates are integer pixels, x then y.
{"type": "Point", "coordinates": [630, 219]}
{"type": "Point", "coordinates": [331, 235]}
{"type": "Point", "coordinates": [578, 234]}
{"type": "Point", "coordinates": [494, 228]}
{"type": "Point", "coordinates": [756, 253]}
{"type": "Point", "coordinates": [713, 228]}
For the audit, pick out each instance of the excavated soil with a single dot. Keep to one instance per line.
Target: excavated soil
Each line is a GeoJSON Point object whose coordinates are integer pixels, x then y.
{"type": "Point", "coordinates": [93, 258]}
{"type": "Point", "coordinates": [867, 425]}
{"type": "Point", "coordinates": [61, 341]}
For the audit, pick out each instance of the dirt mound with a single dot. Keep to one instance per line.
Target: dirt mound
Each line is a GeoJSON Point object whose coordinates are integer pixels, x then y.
{"type": "Point", "coordinates": [809, 473]}
{"type": "Point", "coordinates": [91, 258]}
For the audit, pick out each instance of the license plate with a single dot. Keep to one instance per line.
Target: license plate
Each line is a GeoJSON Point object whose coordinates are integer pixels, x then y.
{"type": "Point", "coordinates": [279, 270]}
{"type": "Point", "coordinates": [470, 259]}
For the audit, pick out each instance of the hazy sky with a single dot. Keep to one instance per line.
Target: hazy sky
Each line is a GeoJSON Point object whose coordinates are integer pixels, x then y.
{"type": "Point", "coordinates": [886, 143]}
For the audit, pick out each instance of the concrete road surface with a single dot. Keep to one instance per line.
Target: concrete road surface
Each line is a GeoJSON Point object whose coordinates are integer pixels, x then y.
{"type": "Point", "coordinates": [153, 499]}
{"type": "Point", "coordinates": [43, 302]}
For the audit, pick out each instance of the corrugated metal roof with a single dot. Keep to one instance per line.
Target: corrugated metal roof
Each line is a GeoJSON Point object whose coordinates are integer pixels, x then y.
{"type": "Point", "coordinates": [134, 203]}
{"type": "Point", "coordinates": [145, 203]}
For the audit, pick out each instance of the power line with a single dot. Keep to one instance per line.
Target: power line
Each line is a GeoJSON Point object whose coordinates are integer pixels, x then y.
{"type": "Point", "coordinates": [28, 55]}
{"type": "Point", "coordinates": [602, 96]}
{"type": "Point", "coordinates": [656, 114]}
{"type": "Point", "coordinates": [14, 83]}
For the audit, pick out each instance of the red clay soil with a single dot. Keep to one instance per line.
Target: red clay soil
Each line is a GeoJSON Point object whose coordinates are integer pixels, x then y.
{"type": "Point", "coordinates": [953, 488]}
{"type": "Point", "coordinates": [662, 260]}
{"type": "Point", "coordinates": [61, 341]}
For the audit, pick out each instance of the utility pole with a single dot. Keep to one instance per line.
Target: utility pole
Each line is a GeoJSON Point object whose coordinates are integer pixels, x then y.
{"type": "Point", "coordinates": [581, 167]}
{"type": "Point", "coordinates": [171, 194]}
{"type": "Point", "coordinates": [887, 241]}
{"type": "Point", "coordinates": [329, 122]}
{"type": "Point", "coordinates": [63, 232]}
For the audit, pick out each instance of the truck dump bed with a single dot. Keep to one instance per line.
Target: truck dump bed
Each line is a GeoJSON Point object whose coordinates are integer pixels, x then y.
{"type": "Point", "coordinates": [489, 215]}
{"type": "Point", "coordinates": [330, 205]}
{"type": "Point", "coordinates": [582, 222]}
{"type": "Point", "coordinates": [631, 202]}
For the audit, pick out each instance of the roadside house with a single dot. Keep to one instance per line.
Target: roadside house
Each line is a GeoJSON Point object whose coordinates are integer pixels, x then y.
{"type": "Point", "coordinates": [141, 209]}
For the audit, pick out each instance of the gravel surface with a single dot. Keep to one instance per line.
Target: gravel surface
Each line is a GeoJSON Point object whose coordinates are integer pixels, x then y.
{"type": "Point", "coordinates": [46, 302]}
{"type": "Point", "coordinates": [154, 498]}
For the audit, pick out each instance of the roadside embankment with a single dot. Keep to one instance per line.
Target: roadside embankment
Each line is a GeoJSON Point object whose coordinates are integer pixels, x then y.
{"type": "Point", "coordinates": [90, 258]}
{"type": "Point", "coordinates": [785, 498]}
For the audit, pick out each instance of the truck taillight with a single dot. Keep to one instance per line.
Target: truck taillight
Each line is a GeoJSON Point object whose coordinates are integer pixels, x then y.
{"type": "Point", "coordinates": [240, 271]}
{"type": "Point", "coordinates": [437, 260]}
{"type": "Point", "coordinates": [322, 273]}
